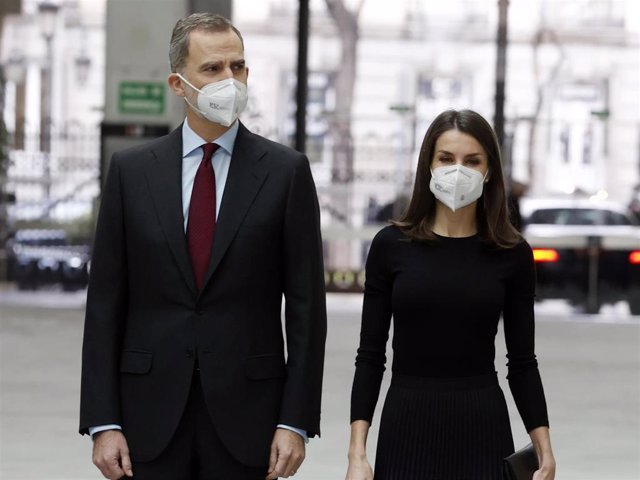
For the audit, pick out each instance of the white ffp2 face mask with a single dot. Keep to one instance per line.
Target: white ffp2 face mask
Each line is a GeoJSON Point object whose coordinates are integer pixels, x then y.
{"type": "Point", "coordinates": [219, 102]}
{"type": "Point", "coordinates": [456, 185]}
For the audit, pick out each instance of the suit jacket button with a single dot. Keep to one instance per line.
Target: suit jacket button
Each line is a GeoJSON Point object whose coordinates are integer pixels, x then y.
{"type": "Point", "coordinates": [200, 312]}
{"type": "Point", "coordinates": [189, 352]}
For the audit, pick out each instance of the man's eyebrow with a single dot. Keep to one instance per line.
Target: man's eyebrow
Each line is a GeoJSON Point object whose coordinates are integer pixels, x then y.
{"type": "Point", "coordinates": [206, 65]}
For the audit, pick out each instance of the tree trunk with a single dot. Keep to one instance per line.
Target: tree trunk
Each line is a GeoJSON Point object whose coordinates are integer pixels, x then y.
{"type": "Point", "coordinates": [345, 77]}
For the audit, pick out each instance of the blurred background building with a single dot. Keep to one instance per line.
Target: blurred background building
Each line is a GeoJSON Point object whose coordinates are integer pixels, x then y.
{"type": "Point", "coordinates": [572, 110]}
{"type": "Point", "coordinates": [379, 72]}
{"type": "Point", "coordinates": [53, 69]}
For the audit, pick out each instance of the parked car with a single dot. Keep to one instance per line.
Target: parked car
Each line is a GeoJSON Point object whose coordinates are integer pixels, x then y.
{"type": "Point", "coordinates": [586, 251]}
{"type": "Point", "coordinates": [38, 257]}
{"type": "Point", "coordinates": [634, 203]}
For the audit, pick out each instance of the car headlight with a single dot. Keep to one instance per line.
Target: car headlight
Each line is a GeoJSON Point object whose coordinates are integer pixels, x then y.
{"type": "Point", "coordinates": [47, 263]}
{"type": "Point", "coordinates": [23, 261]}
{"type": "Point", "coordinates": [74, 262]}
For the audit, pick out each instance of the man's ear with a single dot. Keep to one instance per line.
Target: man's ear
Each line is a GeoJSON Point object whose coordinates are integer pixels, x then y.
{"type": "Point", "coordinates": [175, 84]}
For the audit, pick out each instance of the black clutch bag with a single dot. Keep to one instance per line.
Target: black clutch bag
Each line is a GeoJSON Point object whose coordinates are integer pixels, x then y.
{"type": "Point", "coordinates": [521, 465]}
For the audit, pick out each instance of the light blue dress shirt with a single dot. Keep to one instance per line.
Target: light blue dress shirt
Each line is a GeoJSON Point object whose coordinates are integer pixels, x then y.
{"type": "Point", "coordinates": [191, 157]}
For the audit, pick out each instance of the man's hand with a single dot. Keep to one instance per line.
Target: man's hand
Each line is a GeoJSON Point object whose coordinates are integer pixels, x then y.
{"type": "Point", "coordinates": [111, 454]}
{"type": "Point", "coordinates": [287, 454]}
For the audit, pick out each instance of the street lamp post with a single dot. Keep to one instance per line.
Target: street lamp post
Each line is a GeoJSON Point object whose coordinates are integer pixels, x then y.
{"type": "Point", "coordinates": [47, 17]}
{"type": "Point", "coordinates": [14, 70]}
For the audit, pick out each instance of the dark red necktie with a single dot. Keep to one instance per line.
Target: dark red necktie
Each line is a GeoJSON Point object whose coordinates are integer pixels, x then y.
{"type": "Point", "coordinates": [202, 215]}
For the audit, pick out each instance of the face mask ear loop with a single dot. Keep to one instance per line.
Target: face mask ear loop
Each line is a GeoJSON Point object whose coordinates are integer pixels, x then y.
{"type": "Point", "coordinates": [484, 202]}
{"type": "Point", "coordinates": [185, 97]}
{"type": "Point", "coordinates": [192, 106]}
{"type": "Point", "coordinates": [188, 82]}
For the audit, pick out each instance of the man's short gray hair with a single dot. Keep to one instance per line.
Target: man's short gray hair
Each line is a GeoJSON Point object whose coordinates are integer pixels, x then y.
{"type": "Point", "coordinates": [208, 22]}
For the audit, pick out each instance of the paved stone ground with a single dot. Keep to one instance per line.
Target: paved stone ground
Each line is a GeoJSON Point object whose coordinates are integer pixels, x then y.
{"type": "Point", "coordinates": [590, 367]}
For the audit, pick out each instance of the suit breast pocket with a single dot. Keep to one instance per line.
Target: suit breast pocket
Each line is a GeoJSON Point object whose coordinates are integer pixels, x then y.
{"type": "Point", "coordinates": [136, 362]}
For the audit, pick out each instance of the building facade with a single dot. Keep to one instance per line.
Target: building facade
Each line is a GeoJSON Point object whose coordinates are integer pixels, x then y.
{"type": "Point", "coordinates": [572, 97]}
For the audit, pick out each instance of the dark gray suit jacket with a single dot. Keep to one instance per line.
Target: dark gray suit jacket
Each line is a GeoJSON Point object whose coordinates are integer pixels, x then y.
{"type": "Point", "coordinates": [146, 324]}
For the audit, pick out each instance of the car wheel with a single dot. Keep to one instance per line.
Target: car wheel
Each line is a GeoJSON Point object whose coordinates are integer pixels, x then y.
{"type": "Point", "coordinates": [22, 286]}
{"type": "Point", "coordinates": [634, 305]}
{"type": "Point", "coordinates": [591, 308]}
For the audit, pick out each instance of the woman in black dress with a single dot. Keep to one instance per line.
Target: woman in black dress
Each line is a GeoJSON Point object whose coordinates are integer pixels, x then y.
{"type": "Point", "coordinates": [446, 272]}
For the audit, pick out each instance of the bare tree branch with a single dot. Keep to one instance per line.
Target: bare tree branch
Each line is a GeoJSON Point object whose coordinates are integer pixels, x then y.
{"type": "Point", "coordinates": [541, 87]}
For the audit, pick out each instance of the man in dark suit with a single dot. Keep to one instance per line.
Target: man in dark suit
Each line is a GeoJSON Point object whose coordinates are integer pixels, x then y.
{"type": "Point", "coordinates": [201, 234]}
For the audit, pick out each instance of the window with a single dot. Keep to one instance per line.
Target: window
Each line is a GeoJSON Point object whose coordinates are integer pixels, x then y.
{"type": "Point", "coordinates": [577, 216]}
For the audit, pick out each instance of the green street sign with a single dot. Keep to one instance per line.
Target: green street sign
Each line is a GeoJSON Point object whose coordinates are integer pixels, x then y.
{"type": "Point", "coordinates": [141, 98]}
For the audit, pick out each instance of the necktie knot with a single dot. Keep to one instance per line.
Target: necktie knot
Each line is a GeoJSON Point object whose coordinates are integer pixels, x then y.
{"type": "Point", "coordinates": [209, 149]}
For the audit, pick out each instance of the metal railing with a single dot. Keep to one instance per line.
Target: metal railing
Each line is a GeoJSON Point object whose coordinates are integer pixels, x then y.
{"type": "Point", "coordinates": [59, 185]}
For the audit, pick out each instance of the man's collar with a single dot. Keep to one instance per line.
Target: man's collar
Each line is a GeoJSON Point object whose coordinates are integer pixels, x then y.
{"type": "Point", "coordinates": [191, 140]}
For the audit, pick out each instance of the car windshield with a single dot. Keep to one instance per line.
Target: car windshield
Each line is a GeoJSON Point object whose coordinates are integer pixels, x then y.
{"type": "Point", "coordinates": [577, 216]}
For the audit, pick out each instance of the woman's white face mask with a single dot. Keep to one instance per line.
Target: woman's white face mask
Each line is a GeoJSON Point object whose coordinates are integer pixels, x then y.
{"type": "Point", "coordinates": [456, 185]}
{"type": "Point", "coordinates": [219, 102]}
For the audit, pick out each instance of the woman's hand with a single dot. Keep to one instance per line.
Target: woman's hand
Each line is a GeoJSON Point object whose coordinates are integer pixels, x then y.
{"type": "Point", "coordinates": [546, 460]}
{"type": "Point", "coordinates": [359, 469]}
{"type": "Point", "coordinates": [546, 472]}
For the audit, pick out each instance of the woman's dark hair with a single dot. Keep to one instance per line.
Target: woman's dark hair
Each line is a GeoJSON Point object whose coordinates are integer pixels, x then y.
{"type": "Point", "coordinates": [491, 213]}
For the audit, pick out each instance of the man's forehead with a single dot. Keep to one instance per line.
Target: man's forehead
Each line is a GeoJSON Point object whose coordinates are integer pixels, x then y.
{"type": "Point", "coordinates": [223, 37]}
{"type": "Point", "coordinates": [215, 46]}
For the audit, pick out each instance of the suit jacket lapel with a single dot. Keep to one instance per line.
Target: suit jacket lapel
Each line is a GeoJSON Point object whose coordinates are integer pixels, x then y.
{"type": "Point", "coordinates": [243, 183]}
{"type": "Point", "coordinates": [164, 177]}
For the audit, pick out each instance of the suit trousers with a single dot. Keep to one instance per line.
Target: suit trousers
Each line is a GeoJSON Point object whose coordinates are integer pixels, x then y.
{"type": "Point", "coordinates": [196, 451]}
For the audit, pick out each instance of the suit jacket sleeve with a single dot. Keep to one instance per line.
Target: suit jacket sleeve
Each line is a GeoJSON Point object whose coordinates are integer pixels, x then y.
{"type": "Point", "coordinates": [105, 311]}
{"type": "Point", "coordinates": [305, 308]}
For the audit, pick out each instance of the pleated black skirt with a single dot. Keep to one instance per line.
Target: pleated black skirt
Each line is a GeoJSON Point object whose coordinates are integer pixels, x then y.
{"type": "Point", "coordinates": [443, 429]}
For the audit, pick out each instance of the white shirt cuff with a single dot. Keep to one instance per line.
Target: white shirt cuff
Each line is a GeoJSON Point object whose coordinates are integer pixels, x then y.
{"type": "Point", "coordinates": [102, 428]}
{"type": "Point", "coordinates": [302, 433]}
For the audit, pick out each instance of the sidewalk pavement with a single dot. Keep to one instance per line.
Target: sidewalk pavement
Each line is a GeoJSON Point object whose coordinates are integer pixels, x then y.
{"type": "Point", "coordinates": [590, 367]}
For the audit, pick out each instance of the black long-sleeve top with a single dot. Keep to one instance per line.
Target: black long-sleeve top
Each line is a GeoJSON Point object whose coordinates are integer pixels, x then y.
{"type": "Point", "coordinates": [446, 298]}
